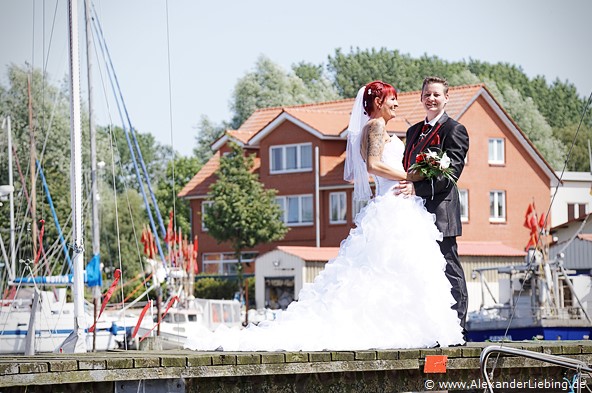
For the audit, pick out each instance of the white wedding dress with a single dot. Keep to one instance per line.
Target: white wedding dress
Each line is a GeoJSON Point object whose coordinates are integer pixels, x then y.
{"type": "Point", "coordinates": [386, 289]}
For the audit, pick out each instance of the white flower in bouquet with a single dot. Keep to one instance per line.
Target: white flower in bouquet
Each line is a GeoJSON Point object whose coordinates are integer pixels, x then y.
{"type": "Point", "coordinates": [445, 161]}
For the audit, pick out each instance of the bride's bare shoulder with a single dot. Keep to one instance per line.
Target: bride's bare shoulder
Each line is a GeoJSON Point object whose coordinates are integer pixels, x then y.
{"type": "Point", "coordinates": [374, 125]}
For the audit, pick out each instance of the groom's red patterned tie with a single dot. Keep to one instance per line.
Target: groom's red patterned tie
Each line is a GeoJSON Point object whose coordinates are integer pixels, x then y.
{"type": "Point", "coordinates": [424, 131]}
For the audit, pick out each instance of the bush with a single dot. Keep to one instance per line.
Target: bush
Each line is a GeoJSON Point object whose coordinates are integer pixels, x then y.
{"type": "Point", "coordinates": [222, 288]}
{"type": "Point", "coordinates": [215, 288]}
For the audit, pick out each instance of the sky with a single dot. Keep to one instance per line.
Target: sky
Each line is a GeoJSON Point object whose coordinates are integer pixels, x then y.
{"type": "Point", "coordinates": [179, 60]}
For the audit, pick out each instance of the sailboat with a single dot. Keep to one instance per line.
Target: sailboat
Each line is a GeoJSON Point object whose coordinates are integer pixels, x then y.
{"type": "Point", "coordinates": [44, 321]}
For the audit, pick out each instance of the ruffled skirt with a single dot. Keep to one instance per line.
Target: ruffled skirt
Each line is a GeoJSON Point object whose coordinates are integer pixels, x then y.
{"type": "Point", "coordinates": [386, 289]}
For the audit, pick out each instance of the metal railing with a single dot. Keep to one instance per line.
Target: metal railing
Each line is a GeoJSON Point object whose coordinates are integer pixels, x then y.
{"type": "Point", "coordinates": [572, 364]}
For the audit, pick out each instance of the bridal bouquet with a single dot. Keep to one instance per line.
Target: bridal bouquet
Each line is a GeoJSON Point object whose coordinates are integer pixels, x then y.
{"type": "Point", "coordinates": [432, 163]}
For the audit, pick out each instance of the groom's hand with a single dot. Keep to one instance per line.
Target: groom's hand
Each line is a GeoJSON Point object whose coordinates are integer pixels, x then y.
{"type": "Point", "coordinates": [405, 188]}
{"type": "Point", "coordinates": [414, 176]}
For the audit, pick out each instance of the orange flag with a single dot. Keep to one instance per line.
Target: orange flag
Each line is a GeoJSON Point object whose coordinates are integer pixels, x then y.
{"type": "Point", "coordinates": [528, 215]}
{"type": "Point", "coordinates": [195, 246]}
{"type": "Point", "coordinates": [532, 242]}
{"type": "Point", "coordinates": [542, 221]}
{"type": "Point", "coordinates": [169, 235]}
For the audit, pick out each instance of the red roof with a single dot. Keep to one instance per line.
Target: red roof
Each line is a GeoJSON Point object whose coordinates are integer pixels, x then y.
{"type": "Point", "coordinates": [200, 184]}
{"type": "Point", "coordinates": [467, 248]}
{"type": "Point", "coordinates": [329, 119]}
{"type": "Point", "coordinates": [322, 254]}
{"type": "Point", "coordinates": [483, 249]}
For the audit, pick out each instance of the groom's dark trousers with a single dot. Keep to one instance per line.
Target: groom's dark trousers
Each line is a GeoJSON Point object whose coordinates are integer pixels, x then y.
{"type": "Point", "coordinates": [456, 276]}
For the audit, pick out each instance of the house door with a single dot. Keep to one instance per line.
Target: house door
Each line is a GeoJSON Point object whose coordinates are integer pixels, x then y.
{"type": "Point", "coordinates": [279, 292]}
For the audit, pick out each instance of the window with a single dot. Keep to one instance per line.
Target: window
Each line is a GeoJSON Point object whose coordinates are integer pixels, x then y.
{"type": "Point", "coordinates": [338, 208]}
{"type": "Point", "coordinates": [291, 158]}
{"type": "Point", "coordinates": [357, 206]}
{"type": "Point", "coordinates": [224, 263]}
{"type": "Point", "coordinates": [497, 206]}
{"type": "Point", "coordinates": [203, 213]}
{"type": "Point", "coordinates": [464, 204]}
{"type": "Point", "coordinates": [575, 210]}
{"type": "Point", "coordinates": [496, 151]}
{"type": "Point", "coordinates": [297, 209]}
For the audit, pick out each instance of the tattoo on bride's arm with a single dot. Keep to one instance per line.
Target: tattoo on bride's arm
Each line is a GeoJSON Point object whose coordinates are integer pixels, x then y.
{"type": "Point", "coordinates": [375, 140]}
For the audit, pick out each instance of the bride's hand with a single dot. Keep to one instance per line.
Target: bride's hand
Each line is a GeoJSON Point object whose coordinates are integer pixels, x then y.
{"type": "Point", "coordinates": [414, 176]}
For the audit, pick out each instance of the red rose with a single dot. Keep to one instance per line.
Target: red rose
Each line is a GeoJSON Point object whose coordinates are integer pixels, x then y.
{"type": "Point", "coordinates": [419, 158]}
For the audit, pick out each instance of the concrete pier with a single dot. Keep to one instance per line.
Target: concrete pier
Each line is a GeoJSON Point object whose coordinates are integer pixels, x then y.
{"type": "Point", "coordinates": [338, 371]}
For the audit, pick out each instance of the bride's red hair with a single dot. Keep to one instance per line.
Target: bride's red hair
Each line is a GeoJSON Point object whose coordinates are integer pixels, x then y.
{"type": "Point", "coordinates": [376, 89]}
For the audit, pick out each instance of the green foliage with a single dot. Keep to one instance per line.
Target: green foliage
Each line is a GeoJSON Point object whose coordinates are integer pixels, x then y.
{"type": "Point", "coordinates": [577, 141]}
{"type": "Point", "coordinates": [121, 222]}
{"type": "Point", "coordinates": [541, 110]}
{"type": "Point", "coordinates": [362, 66]}
{"type": "Point", "coordinates": [525, 113]}
{"type": "Point", "coordinates": [155, 156]}
{"type": "Point", "coordinates": [243, 212]}
{"type": "Point", "coordinates": [215, 288]}
{"type": "Point", "coordinates": [120, 233]}
{"type": "Point", "coordinates": [51, 133]}
{"type": "Point", "coordinates": [178, 173]}
{"type": "Point", "coordinates": [318, 87]}
{"type": "Point", "coordinates": [270, 86]}
{"type": "Point", "coordinates": [222, 288]}
{"type": "Point", "coordinates": [208, 134]}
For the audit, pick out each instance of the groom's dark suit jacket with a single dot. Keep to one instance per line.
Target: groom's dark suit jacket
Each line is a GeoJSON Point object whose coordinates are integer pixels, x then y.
{"type": "Point", "coordinates": [441, 196]}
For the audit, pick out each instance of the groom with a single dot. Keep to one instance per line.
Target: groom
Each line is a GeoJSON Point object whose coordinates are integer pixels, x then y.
{"type": "Point", "coordinates": [441, 196]}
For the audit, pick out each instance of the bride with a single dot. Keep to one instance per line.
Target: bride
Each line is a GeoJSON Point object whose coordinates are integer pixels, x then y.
{"type": "Point", "coordinates": [386, 289]}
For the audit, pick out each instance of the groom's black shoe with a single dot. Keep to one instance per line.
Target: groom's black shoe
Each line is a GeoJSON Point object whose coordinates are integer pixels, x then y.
{"type": "Point", "coordinates": [463, 344]}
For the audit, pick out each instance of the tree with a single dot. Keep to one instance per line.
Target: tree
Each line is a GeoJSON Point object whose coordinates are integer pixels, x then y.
{"type": "Point", "coordinates": [319, 87]}
{"type": "Point", "coordinates": [577, 145]}
{"type": "Point", "coordinates": [178, 173]}
{"type": "Point", "coordinates": [353, 70]}
{"type": "Point", "coordinates": [540, 110]}
{"type": "Point", "coordinates": [208, 133]}
{"type": "Point", "coordinates": [155, 156]}
{"type": "Point", "coordinates": [534, 125]}
{"type": "Point", "coordinates": [270, 86]}
{"type": "Point", "coordinates": [243, 212]}
{"type": "Point", "coordinates": [51, 128]}
{"type": "Point", "coordinates": [120, 229]}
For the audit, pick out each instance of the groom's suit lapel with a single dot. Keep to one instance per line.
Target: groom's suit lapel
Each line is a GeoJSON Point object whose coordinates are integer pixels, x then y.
{"type": "Point", "coordinates": [414, 146]}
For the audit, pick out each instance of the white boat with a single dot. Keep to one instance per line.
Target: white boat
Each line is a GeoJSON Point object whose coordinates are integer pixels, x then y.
{"type": "Point", "coordinates": [193, 316]}
{"type": "Point", "coordinates": [52, 323]}
{"type": "Point", "coordinates": [43, 321]}
{"type": "Point", "coordinates": [537, 300]}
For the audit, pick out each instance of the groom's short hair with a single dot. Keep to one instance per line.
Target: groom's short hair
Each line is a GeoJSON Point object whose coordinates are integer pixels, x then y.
{"type": "Point", "coordinates": [435, 79]}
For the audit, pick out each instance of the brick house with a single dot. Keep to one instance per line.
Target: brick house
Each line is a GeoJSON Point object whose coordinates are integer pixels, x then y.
{"type": "Point", "coordinates": [300, 151]}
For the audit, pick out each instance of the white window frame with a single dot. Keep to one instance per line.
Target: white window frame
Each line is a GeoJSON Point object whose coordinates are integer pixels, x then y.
{"type": "Point", "coordinates": [576, 210]}
{"type": "Point", "coordinates": [226, 262]}
{"type": "Point", "coordinates": [338, 203]}
{"type": "Point", "coordinates": [497, 198]}
{"type": "Point", "coordinates": [283, 202]}
{"type": "Point", "coordinates": [203, 213]}
{"type": "Point", "coordinates": [299, 158]}
{"type": "Point", "coordinates": [496, 151]}
{"type": "Point", "coordinates": [463, 195]}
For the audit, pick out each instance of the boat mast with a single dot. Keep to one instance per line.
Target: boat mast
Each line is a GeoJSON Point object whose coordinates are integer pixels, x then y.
{"type": "Point", "coordinates": [32, 172]}
{"type": "Point", "coordinates": [76, 342]}
{"type": "Point", "coordinates": [12, 264]}
{"type": "Point", "coordinates": [96, 246]}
